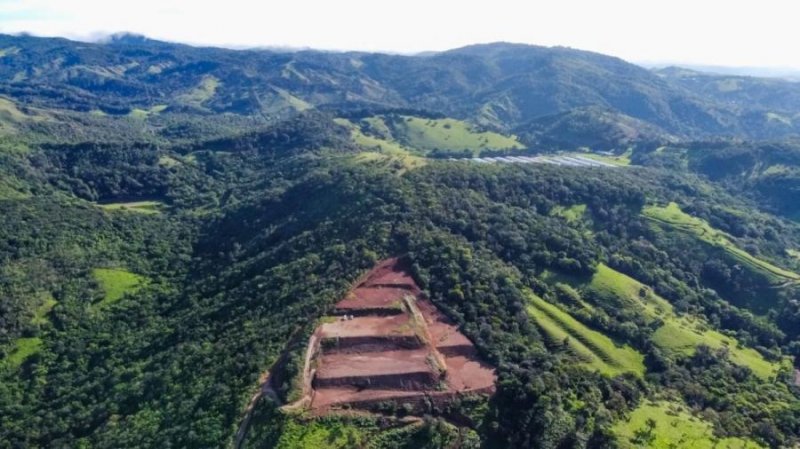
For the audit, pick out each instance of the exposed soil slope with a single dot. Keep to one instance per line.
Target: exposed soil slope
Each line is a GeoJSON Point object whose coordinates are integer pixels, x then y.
{"type": "Point", "coordinates": [389, 343]}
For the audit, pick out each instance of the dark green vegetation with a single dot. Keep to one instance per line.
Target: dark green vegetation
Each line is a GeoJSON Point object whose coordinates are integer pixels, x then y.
{"type": "Point", "coordinates": [175, 219]}
{"type": "Point", "coordinates": [768, 173]}
{"type": "Point", "coordinates": [498, 85]}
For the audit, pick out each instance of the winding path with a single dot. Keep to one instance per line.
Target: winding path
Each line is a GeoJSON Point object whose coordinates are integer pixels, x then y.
{"type": "Point", "coordinates": [264, 389]}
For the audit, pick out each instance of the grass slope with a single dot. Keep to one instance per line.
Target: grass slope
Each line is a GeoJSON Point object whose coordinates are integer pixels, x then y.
{"type": "Point", "coordinates": [142, 207]}
{"type": "Point", "coordinates": [203, 92]}
{"type": "Point", "coordinates": [23, 348]}
{"type": "Point", "coordinates": [678, 335]}
{"type": "Point", "coordinates": [597, 350]}
{"type": "Point", "coordinates": [11, 188]}
{"type": "Point", "coordinates": [665, 424]}
{"type": "Point", "coordinates": [622, 160]}
{"type": "Point", "coordinates": [116, 282]}
{"type": "Point", "coordinates": [572, 213]}
{"type": "Point", "coordinates": [383, 151]}
{"type": "Point", "coordinates": [451, 135]}
{"type": "Point", "coordinates": [421, 136]}
{"type": "Point", "coordinates": [138, 113]}
{"type": "Point", "coordinates": [44, 308]}
{"type": "Point", "coordinates": [671, 216]}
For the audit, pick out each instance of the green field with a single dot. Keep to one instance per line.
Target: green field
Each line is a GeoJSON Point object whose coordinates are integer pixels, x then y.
{"type": "Point", "coordinates": [46, 305]}
{"type": "Point", "coordinates": [115, 283]}
{"type": "Point", "coordinates": [11, 188]}
{"type": "Point", "coordinates": [572, 213]}
{"type": "Point", "coordinates": [421, 136]}
{"type": "Point", "coordinates": [203, 92]}
{"type": "Point", "coordinates": [9, 111]}
{"type": "Point", "coordinates": [451, 135]}
{"type": "Point", "coordinates": [8, 51]}
{"type": "Point", "coordinates": [622, 160]}
{"type": "Point", "coordinates": [142, 207]}
{"type": "Point", "coordinates": [671, 216]}
{"type": "Point", "coordinates": [384, 152]}
{"type": "Point", "coordinates": [23, 348]}
{"type": "Point", "coordinates": [775, 117]}
{"type": "Point", "coordinates": [679, 335]}
{"type": "Point", "coordinates": [669, 425]}
{"type": "Point", "coordinates": [144, 113]}
{"type": "Point", "coordinates": [298, 104]}
{"type": "Point", "coordinates": [596, 350]}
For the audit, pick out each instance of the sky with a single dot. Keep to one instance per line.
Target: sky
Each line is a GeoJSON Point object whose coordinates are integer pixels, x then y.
{"type": "Point", "coordinates": [700, 32]}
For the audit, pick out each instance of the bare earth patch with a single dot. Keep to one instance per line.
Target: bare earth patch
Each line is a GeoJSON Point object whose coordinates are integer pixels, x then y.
{"type": "Point", "coordinates": [391, 344]}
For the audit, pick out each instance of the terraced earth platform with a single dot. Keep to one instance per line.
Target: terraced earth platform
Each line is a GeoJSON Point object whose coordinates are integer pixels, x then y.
{"type": "Point", "coordinates": [387, 343]}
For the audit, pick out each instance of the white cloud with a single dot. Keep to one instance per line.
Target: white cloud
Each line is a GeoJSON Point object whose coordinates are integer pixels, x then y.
{"type": "Point", "coordinates": [693, 31]}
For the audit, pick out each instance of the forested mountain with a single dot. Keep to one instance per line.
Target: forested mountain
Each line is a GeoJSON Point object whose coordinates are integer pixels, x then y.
{"type": "Point", "coordinates": [177, 221]}
{"type": "Point", "coordinates": [592, 127]}
{"type": "Point", "coordinates": [775, 99]}
{"type": "Point", "coordinates": [499, 85]}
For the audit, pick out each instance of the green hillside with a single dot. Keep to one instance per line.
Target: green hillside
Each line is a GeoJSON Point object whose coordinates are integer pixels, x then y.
{"type": "Point", "coordinates": [673, 217]}
{"type": "Point", "coordinates": [664, 424]}
{"type": "Point", "coordinates": [22, 349]}
{"type": "Point", "coordinates": [677, 335]}
{"type": "Point", "coordinates": [425, 136]}
{"type": "Point", "coordinates": [449, 135]}
{"type": "Point", "coordinates": [143, 207]}
{"type": "Point", "coordinates": [115, 283]}
{"type": "Point", "coordinates": [596, 350]}
{"type": "Point", "coordinates": [177, 220]}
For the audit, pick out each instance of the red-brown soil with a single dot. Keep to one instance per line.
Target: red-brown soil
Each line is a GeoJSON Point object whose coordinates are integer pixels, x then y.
{"type": "Point", "coordinates": [378, 363]}
{"type": "Point", "coordinates": [392, 344]}
{"type": "Point", "coordinates": [367, 326]}
{"type": "Point", "coordinates": [373, 298]}
{"type": "Point", "coordinates": [390, 272]}
{"type": "Point", "coordinates": [443, 332]}
{"type": "Point", "coordinates": [466, 373]}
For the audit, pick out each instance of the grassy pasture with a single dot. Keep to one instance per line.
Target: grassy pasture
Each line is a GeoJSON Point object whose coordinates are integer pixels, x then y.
{"type": "Point", "coordinates": [383, 152]}
{"type": "Point", "coordinates": [142, 207]}
{"type": "Point", "coordinates": [10, 112]}
{"type": "Point", "coordinates": [678, 335]}
{"type": "Point", "coordinates": [775, 117]}
{"type": "Point", "coordinates": [8, 51]}
{"type": "Point", "coordinates": [44, 308]}
{"type": "Point", "coordinates": [572, 213]}
{"type": "Point", "coordinates": [11, 188]}
{"type": "Point", "coordinates": [622, 160]}
{"type": "Point", "coordinates": [203, 92]}
{"type": "Point", "coordinates": [420, 136]}
{"type": "Point", "coordinates": [115, 283]}
{"type": "Point", "coordinates": [672, 217]}
{"type": "Point", "coordinates": [298, 104]}
{"type": "Point", "coordinates": [451, 135]}
{"type": "Point", "coordinates": [23, 348]}
{"type": "Point", "coordinates": [665, 424]}
{"type": "Point", "coordinates": [596, 350]}
{"type": "Point", "coordinates": [144, 113]}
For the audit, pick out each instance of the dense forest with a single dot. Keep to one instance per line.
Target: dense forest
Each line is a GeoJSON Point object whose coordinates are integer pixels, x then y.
{"type": "Point", "coordinates": [155, 262]}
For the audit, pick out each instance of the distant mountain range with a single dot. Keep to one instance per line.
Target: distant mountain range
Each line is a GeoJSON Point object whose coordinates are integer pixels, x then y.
{"type": "Point", "coordinates": [500, 85]}
{"type": "Point", "coordinates": [785, 73]}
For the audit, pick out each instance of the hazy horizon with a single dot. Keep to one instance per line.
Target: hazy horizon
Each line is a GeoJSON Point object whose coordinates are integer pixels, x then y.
{"type": "Point", "coordinates": [713, 33]}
